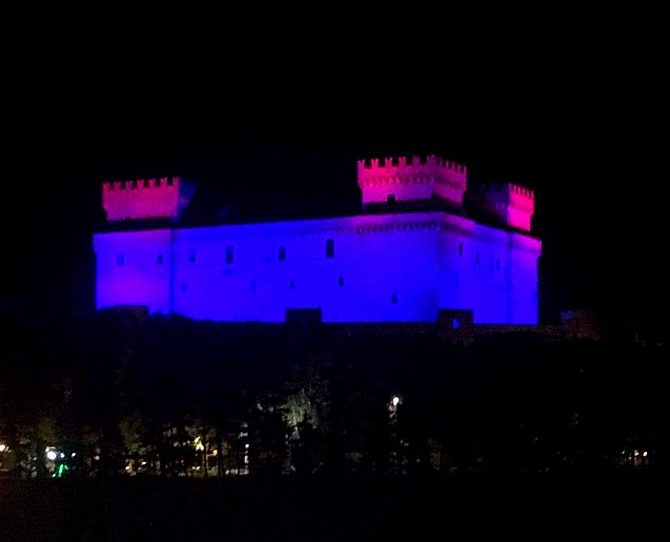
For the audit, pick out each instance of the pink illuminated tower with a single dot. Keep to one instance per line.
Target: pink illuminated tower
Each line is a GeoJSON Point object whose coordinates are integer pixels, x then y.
{"type": "Point", "coordinates": [152, 198]}
{"type": "Point", "coordinates": [416, 180]}
{"type": "Point", "coordinates": [509, 203]}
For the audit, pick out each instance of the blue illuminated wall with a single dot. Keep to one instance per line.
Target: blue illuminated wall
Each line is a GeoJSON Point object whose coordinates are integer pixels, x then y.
{"type": "Point", "coordinates": [368, 268]}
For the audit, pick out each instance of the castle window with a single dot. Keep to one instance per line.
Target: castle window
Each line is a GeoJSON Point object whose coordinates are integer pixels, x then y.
{"type": "Point", "coordinates": [394, 299]}
{"type": "Point", "coordinates": [291, 284]}
{"type": "Point", "coordinates": [340, 281]}
{"type": "Point", "coordinates": [159, 259]}
{"type": "Point", "coordinates": [477, 258]}
{"type": "Point", "coordinates": [455, 323]}
{"type": "Point", "coordinates": [282, 254]}
{"type": "Point", "coordinates": [460, 249]}
{"type": "Point", "coordinates": [330, 248]}
{"type": "Point", "coordinates": [191, 256]}
{"type": "Point", "coordinates": [497, 265]}
{"type": "Point", "coordinates": [120, 259]}
{"type": "Point", "coordinates": [229, 254]}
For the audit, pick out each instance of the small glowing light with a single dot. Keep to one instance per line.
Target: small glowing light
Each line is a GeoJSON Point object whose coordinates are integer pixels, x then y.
{"type": "Point", "coordinates": [51, 455]}
{"type": "Point", "coordinates": [144, 462]}
{"type": "Point", "coordinates": [62, 455]}
{"type": "Point", "coordinates": [644, 454]}
{"type": "Point", "coordinates": [3, 447]}
{"type": "Point", "coordinates": [396, 400]}
{"type": "Point", "coordinates": [636, 453]}
{"type": "Point", "coordinates": [97, 457]}
{"type": "Point", "coordinates": [246, 446]}
{"type": "Point", "coordinates": [73, 454]}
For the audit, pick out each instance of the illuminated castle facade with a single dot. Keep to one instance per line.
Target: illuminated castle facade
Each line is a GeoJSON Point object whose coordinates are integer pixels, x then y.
{"type": "Point", "coordinates": [413, 252]}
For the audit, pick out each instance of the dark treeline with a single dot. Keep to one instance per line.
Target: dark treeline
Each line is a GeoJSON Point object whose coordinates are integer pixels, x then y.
{"type": "Point", "coordinates": [118, 393]}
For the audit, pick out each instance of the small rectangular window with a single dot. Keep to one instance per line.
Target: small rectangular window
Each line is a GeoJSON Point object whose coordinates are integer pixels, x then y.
{"type": "Point", "coordinates": [497, 265]}
{"type": "Point", "coordinates": [394, 299]}
{"type": "Point", "coordinates": [159, 259]}
{"type": "Point", "coordinates": [229, 254]}
{"type": "Point", "coordinates": [282, 254]}
{"type": "Point", "coordinates": [191, 256]}
{"type": "Point", "coordinates": [460, 249]}
{"type": "Point", "coordinates": [120, 260]}
{"type": "Point", "coordinates": [340, 281]}
{"type": "Point", "coordinates": [330, 248]}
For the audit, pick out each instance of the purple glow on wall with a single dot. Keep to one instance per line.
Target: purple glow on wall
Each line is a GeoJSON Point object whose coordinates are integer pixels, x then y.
{"type": "Point", "coordinates": [398, 267]}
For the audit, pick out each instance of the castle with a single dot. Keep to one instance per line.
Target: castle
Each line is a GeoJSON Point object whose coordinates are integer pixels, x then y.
{"type": "Point", "coordinates": [414, 251]}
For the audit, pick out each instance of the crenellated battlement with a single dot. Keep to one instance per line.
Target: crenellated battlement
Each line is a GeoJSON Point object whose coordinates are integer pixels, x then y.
{"type": "Point", "coordinates": [140, 184]}
{"type": "Point", "coordinates": [164, 197]}
{"type": "Point", "coordinates": [509, 203]}
{"type": "Point", "coordinates": [411, 179]}
{"type": "Point", "coordinates": [413, 161]}
{"type": "Point", "coordinates": [509, 189]}
{"type": "Point", "coordinates": [512, 188]}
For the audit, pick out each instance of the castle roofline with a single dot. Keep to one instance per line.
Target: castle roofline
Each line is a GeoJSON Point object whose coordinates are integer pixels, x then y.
{"type": "Point", "coordinates": [354, 222]}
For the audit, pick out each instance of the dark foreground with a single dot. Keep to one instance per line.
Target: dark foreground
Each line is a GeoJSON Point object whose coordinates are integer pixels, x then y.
{"type": "Point", "coordinates": [621, 505]}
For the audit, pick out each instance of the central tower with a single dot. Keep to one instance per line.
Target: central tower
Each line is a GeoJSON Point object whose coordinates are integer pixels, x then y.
{"type": "Point", "coordinates": [415, 180]}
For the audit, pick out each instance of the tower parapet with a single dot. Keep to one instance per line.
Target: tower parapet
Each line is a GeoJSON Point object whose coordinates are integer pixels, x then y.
{"type": "Point", "coordinates": [509, 203]}
{"type": "Point", "coordinates": [400, 179]}
{"type": "Point", "coordinates": [165, 197]}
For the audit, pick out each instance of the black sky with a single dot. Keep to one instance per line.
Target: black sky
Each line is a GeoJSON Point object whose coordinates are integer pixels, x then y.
{"type": "Point", "coordinates": [583, 135]}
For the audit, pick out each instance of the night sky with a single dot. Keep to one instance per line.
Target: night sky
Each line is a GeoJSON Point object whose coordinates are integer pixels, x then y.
{"type": "Point", "coordinates": [586, 147]}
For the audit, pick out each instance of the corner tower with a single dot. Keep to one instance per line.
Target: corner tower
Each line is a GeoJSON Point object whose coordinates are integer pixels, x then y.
{"type": "Point", "coordinates": [131, 200]}
{"type": "Point", "coordinates": [508, 203]}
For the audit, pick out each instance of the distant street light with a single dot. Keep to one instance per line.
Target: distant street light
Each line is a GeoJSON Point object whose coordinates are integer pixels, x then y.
{"type": "Point", "coordinates": [51, 455]}
{"type": "Point", "coordinates": [3, 447]}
